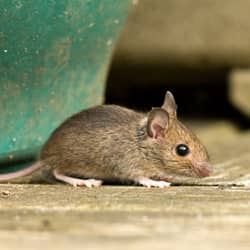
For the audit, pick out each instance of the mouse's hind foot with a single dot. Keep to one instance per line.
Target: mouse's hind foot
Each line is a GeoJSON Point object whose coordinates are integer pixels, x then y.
{"type": "Point", "coordinates": [77, 181]}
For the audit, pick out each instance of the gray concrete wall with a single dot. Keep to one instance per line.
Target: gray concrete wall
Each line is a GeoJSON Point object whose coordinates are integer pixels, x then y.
{"type": "Point", "coordinates": [207, 33]}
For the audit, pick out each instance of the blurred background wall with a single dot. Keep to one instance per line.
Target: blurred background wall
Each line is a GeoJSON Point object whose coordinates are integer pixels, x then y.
{"type": "Point", "coordinates": [200, 50]}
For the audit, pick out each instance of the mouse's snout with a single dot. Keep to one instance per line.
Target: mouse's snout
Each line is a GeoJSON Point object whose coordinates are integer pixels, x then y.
{"type": "Point", "coordinates": [204, 169]}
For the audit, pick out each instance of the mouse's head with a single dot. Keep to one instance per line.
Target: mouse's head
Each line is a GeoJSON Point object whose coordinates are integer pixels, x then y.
{"type": "Point", "coordinates": [181, 150]}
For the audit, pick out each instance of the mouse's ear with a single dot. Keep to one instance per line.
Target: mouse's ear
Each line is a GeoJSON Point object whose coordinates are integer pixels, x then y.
{"type": "Point", "coordinates": [158, 120]}
{"type": "Point", "coordinates": [169, 104]}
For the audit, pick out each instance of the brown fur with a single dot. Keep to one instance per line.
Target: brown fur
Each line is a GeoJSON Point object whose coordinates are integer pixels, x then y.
{"type": "Point", "coordinates": [112, 143]}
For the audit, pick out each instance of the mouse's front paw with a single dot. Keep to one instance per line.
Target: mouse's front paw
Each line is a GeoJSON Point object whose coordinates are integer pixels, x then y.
{"type": "Point", "coordinates": [151, 183]}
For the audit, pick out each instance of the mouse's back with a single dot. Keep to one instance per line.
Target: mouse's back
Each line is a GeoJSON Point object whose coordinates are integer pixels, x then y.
{"type": "Point", "coordinates": [90, 131]}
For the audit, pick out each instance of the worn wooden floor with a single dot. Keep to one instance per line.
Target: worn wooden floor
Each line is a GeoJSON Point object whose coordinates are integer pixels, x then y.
{"type": "Point", "coordinates": [61, 217]}
{"type": "Point", "coordinates": [208, 214]}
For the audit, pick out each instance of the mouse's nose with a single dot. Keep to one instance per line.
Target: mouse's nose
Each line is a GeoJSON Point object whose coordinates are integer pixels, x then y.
{"type": "Point", "coordinates": [205, 169]}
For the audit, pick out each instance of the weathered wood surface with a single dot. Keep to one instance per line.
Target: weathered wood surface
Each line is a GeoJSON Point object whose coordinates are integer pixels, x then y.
{"type": "Point", "coordinates": [213, 213]}
{"type": "Point", "coordinates": [62, 217]}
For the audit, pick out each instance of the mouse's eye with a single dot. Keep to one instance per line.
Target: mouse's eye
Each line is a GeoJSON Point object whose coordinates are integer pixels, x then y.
{"type": "Point", "coordinates": [182, 150]}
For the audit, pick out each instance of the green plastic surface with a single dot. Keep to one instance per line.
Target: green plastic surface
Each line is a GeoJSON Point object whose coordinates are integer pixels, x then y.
{"type": "Point", "coordinates": [54, 57]}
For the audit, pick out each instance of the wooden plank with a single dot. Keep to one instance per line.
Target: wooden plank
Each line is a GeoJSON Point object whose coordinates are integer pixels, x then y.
{"type": "Point", "coordinates": [59, 216]}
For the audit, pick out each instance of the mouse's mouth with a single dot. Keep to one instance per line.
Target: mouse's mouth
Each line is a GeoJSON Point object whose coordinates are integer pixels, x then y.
{"type": "Point", "coordinates": [202, 169]}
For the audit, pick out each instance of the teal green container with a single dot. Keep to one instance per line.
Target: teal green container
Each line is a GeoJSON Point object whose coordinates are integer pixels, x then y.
{"type": "Point", "coordinates": [54, 57]}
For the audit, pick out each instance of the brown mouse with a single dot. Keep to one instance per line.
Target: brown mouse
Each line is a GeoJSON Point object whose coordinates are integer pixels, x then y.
{"type": "Point", "coordinates": [112, 143]}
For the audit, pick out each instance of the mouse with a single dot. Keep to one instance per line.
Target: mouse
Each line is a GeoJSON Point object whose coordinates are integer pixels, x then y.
{"type": "Point", "coordinates": [110, 143]}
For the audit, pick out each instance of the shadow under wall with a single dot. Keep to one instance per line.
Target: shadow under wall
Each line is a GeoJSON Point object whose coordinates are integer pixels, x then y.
{"type": "Point", "coordinates": [199, 93]}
